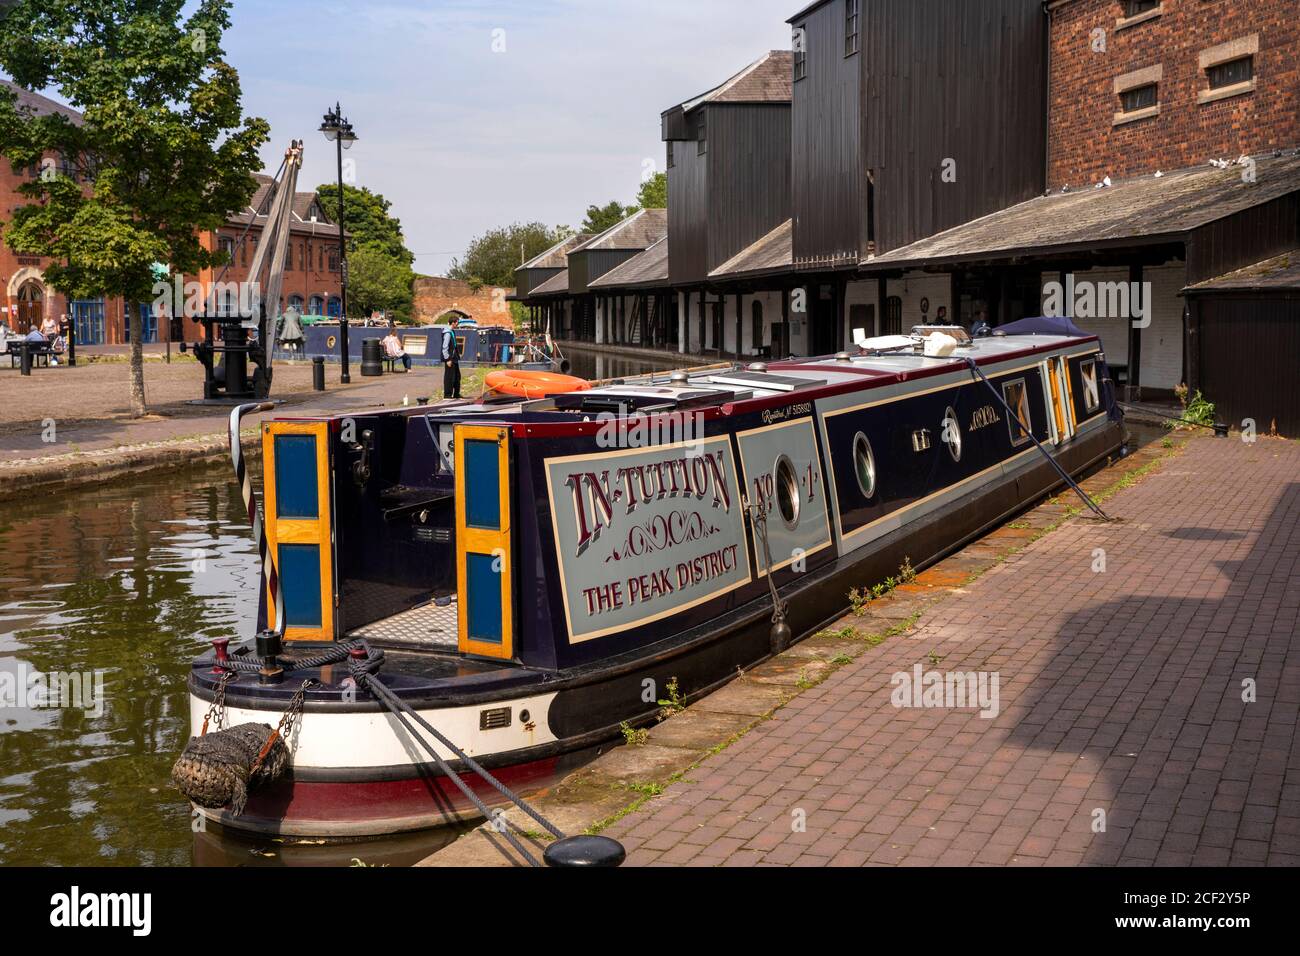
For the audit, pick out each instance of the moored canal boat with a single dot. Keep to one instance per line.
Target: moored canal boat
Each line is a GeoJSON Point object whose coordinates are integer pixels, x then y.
{"type": "Point", "coordinates": [539, 573]}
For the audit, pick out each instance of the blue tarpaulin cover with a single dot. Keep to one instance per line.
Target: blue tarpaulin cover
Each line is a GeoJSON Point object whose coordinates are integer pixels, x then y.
{"type": "Point", "coordinates": [1043, 325]}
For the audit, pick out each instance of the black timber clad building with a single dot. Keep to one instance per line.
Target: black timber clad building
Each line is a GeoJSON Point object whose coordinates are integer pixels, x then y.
{"type": "Point", "coordinates": [911, 116]}
{"type": "Point", "coordinates": [1243, 344]}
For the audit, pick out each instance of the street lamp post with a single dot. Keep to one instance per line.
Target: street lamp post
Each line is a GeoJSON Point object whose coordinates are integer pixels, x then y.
{"type": "Point", "coordinates": [339, 131]}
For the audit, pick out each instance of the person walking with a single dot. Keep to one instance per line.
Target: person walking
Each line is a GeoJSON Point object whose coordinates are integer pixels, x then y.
{"type": "Point", "coordinates": [451, 361]}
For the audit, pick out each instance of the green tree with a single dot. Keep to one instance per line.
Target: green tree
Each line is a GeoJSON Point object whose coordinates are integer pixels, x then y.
{"type": "Point", "coordinates": [367, 218]}
{"type": "Point", "coordinates": [654, 192]}
{"type": "Point", "coordinates": [378, 282]}
{"type": "Point", "coordinates": [600, 218]}
{"type": "Point", "coordinates": [492, 258]}
{"type": "Point", "coordinates": [164, 151]}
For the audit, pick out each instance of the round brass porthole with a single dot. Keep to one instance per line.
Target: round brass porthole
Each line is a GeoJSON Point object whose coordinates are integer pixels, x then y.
{"type": "Point", "coordinates": [864, 465]}
{"type": "Point", "coordinates": [952, 433]}
{"type": "Point", "coordinates": [787, 491]}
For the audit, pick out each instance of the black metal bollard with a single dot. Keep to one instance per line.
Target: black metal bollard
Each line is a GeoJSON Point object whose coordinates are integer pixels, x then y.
{"type": "Point", "coordinates": [318, 373]}
{"type": "Point", "coordinates": [370, 362]}
{"type": "Point", "coordinates": [25, 358]}
{"type": "Point", "coordinates": [269, 647]}
{"type": "Point", "coordinates": [585, 850]}
{"type": "Point", "coordinates": [72, 344]}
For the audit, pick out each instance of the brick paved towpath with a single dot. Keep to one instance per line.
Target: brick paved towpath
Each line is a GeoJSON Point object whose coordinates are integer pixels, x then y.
{"type": "Point", "coordinates": [1121, 693]}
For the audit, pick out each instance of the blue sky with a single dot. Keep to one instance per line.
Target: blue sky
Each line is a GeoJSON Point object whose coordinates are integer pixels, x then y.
{"type": "Point", "coordinates": [461, 138]}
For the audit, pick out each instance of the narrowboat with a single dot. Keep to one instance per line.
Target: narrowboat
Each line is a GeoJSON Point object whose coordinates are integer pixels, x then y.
{"type": "Point", "coordinates": [539, 572]}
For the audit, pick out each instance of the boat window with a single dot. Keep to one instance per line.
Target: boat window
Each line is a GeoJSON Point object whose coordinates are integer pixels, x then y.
{"type": "Point", "coordinates": [864, 465]}
{"type": "Point", "coordinates": [952, 433]}
{"type": "Point", "coordinates": [1091, 393]}
{"type": "Point", "coordinates": [1017, 396]}
{"type": "Point", "coordinates": [787, 491]}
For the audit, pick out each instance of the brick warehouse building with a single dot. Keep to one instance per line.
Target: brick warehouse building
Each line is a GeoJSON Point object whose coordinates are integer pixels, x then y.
{"type": "Point", "coordinates": [1141, 96]}
{"type": "Point", "coordinates": [25, 297]}
{"type": "Point", "coordinates": [1144, 85]}
{"type": "Point", "coordinates": [311, 279]}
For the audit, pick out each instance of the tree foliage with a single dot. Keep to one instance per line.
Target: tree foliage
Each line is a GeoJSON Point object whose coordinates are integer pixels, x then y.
{"type": "Point", "coordinates": [164, 150]}
{"type": "Point", "coordinates": [163, 153]}
{"type": "Point", "coordinates": [492, 258]}
{"type": "Point", "coordinates": [379, 282]}
{"type": "Point", "coordinates": [600, 218]}
{"type": "Point", "coordinates": [654, 192]}
{"type": "Point", "coordinates": [367, 218]}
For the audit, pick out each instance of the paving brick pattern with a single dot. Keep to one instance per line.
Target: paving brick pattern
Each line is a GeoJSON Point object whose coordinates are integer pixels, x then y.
{"type": "Point", "coordinates": [1121, 692]}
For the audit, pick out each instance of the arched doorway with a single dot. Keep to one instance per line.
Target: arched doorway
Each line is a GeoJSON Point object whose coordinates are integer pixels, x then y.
{"type": "Point", "coordinates": [31, 306]}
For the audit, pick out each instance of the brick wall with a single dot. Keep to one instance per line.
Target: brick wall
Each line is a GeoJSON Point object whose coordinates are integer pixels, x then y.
{"type": "Point", "coordinates": [308, 276]}
{"type": "Point", "coordinates": [1084, 144]}
{"type": "Point", "coordinates": [436, 296]}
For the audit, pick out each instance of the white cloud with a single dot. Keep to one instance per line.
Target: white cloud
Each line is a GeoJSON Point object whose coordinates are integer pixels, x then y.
{"type": "Point", "coordinates": [462, 139]}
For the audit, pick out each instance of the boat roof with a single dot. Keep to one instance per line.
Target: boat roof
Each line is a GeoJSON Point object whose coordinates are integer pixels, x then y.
{"type": "Point", "coordinates": [730, 386]}
{"type": "Point", "coordinates": [733, 386]}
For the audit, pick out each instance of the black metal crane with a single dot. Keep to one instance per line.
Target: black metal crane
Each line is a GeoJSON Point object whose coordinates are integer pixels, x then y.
{"type": "Point", "coordinates": [227, 348]}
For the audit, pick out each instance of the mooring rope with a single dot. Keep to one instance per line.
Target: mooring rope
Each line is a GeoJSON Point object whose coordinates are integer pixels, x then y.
{"type": "Point", "coordinates": [386, 696]}
{"type": "Point", "coordinates": [402, 711]}
{"type": "Point", "coordinates": [974, 367]}
{"type": "Point", "coordinates": [255, 519]}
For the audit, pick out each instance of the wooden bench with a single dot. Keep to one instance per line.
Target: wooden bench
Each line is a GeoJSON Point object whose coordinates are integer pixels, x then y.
{"type": "Point", "coordinates": [41, 353]}
{"type": "Point", "coordinates": [417, 346]}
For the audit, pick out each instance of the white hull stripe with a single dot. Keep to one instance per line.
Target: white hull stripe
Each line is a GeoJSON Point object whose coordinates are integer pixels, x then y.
{"type": "Point", "coordinates": [329, 741]}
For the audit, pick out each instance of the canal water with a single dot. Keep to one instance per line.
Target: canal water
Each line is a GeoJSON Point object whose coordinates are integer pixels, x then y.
{"type": "Point", "coordinates": [597, 366]}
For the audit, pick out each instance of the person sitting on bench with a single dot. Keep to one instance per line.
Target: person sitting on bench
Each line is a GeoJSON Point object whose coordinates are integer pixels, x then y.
{"type": "Point", "coordinates": [36, 343]}
{"type": "Point", "coordinates": [393, 347]}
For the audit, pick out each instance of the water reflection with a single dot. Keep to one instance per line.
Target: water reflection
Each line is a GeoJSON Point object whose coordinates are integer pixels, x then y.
{"type": "Point", "coordinates": [127, 581]}
{"type": "Point", "coordinates": [594, 366]}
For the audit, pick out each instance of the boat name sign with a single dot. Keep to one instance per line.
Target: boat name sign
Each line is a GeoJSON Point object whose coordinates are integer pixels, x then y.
{"type": "Point", "coordinates": [645, 533]}
{"type": "Point", "coordinates": [984, 415]}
